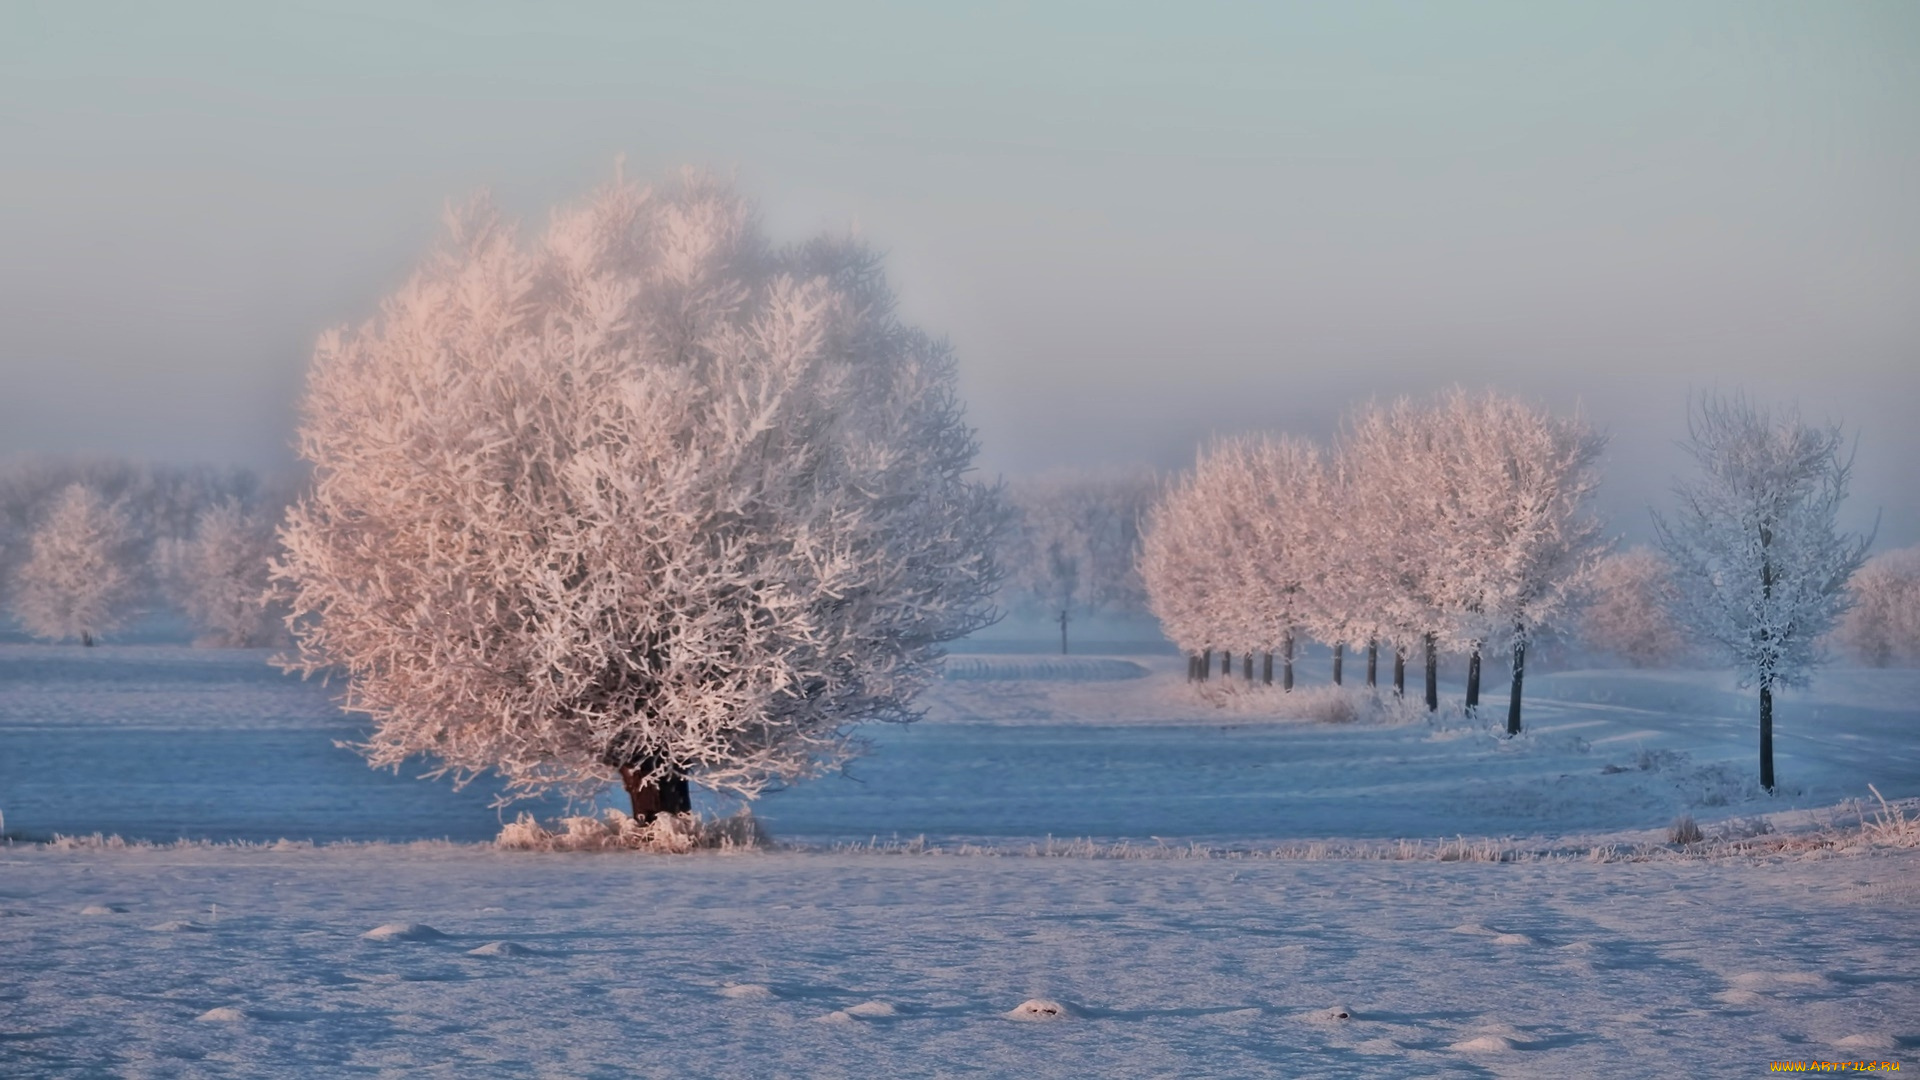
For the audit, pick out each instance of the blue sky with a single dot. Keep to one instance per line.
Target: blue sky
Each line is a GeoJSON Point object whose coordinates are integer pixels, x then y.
{"type": "Point", "coordinates": [1139, 226]}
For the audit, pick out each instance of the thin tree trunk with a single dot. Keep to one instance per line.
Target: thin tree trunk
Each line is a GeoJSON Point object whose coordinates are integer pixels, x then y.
{"type": "Point", "coordinates": [1766, 734]}
{"type": "Point", "coordinates": [1226, 664]}
{"type": "Point", "coordinates": [1246, 668]}
{"type": "Point", "coordinates": [1399, 671]}
{"type": "Point", "coordinates": [1206, 664]}
{"type": "Point", "coordinates": [1063, 631]}
{"type": "Point", "coordinates": [1519, 675]}
{"type": "Point", "coordinates": [1373, 662]}
{"type": "Point", "coordinates": [86, 638]}
{"type": "Point", "coordinates": [1193, 663]}
{"type": "Point", "coordinates": [654, 789]}
{"type": "Point", "coordinates": [1433, 673]}
{"type": "Point", "coordinates": [1473, 681]}
{"type": "Point", "coordinates": [1266, 669]}
{"type": "Point", "coordinates": [1339, 654]}
{"type": "Point", "coordinates": [1286, 669]}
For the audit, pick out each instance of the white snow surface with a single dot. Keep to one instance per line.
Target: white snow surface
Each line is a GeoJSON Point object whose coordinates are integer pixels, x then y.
{"type": "Point", "coordinates": [1204, 957]}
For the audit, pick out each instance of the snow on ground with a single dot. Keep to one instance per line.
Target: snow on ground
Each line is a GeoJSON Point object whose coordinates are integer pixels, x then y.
{"type": "Point", "coordinates": [465, 961]}
{"type": "Point", "coordinates": [822, 959]}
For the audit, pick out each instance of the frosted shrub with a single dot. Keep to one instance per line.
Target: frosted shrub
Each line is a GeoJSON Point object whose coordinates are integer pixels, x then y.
{"type": "Point", "coordinates": [671, 834]}
{"type": "Point", "coordinates": [79, 581]}
{"type": "Point", "coordinates": [1882, 626]}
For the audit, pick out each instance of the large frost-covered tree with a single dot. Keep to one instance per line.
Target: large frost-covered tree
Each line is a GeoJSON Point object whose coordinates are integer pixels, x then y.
{"type": "Point", "coordinates": [1630, 610]}
{"type": "Point", "coordinates": [1075, 542]}
{"type": "Point", "coordinates": [78, 580]}
{"type": "Point", "coordinates": [220, 575]}
{"type": "Point", "coordinates": [1759, 560]}
{"type": "Point", "coordinates": [1882, 625]}
{"type": "Point", "coordinates": [650, 499]}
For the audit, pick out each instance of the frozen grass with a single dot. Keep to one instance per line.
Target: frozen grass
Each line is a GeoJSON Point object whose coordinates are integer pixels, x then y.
{"type": "Point", "coordinates": [668, 834]}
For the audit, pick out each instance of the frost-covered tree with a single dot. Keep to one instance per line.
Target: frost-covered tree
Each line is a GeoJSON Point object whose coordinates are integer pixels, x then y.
{"type": "Point", "coordinates": [78, 581]}
{"type": "Point", "coordinates": [1229, 558]}
{"type": "Point", "coordinates": [650, 499]}
{"type": "Point", "coordinates": [1630, 610]}
{"type": "Point", "coordinates": [1759, 559]}
{"type": "Point", "coordinates": [1075, 543]}
{"type": "Point", "coordinates": [1882, 625]}
{"type": "Point", "coordinates": [220, 576]}
{"type": "Point", "coordinates": [1519, 537]}
{"type": "Point", "coordinates": [1397, 500]}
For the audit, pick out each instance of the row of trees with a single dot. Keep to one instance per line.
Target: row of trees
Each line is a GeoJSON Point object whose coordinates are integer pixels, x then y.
{"type": "Point", "coordinates": [1458, 523]}
{"type": "Point", "coordinates": [87, 545]}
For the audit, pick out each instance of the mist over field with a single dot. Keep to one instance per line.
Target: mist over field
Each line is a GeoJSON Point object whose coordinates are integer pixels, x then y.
{"type": "Point", "coordinates": [1138, 228]}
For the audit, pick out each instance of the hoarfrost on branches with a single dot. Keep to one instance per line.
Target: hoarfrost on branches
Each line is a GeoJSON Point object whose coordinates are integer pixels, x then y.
{"type": "Point", "coordinates": [1759, 559]}
{"type": "Point", "coordinates": [78, 581]}
{"type": "Point", "coordinates": [651, 498]}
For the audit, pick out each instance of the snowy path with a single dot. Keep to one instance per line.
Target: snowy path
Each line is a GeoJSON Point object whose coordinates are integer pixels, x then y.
{"type": "Point", "coordinates": [771, 964]}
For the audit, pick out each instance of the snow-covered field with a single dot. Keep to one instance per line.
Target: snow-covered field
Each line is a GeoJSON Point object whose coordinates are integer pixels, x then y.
{"type": "Point", "coordinates": [1204, 955]}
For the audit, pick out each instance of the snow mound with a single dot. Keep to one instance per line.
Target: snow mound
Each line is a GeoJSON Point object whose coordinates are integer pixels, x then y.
{"type": "Point", "coordinates": [1483, 1044]}
{"type": "Point", "coordinates": [873, 1008]}
{"type": "Point", "coordinates": [177, 926]}
{"type": "Point", "coordinates": [1778, 980]}
{"type": "Point", "coordinates": [1026, 668]}
{"type": "Point", "coordinates": [745, 992]}
{"type": "Point", "coordinates": [837, 1016]}
{"type": "Point", "coordinates": [223, 1015]}
{"type": "Point", "coordinates": [403, 931]}
{"type": "Point", "coordinates": [1739, 997]}
{"type": "Point", "coordinates": [1473, 928]}
{"type": "Point", "coordinates": [1512, 939]}
{"type": "Point", "coordinates": [103, 909]}
{"type": "Point", "coordinates": [500, 948]}
{"type": "Point", "coordinates": [1579, 948]}
{"type": "Point", "coordinates": [1874, 1042]}
{"type": "Point", "coordinates": [1039, 1009]}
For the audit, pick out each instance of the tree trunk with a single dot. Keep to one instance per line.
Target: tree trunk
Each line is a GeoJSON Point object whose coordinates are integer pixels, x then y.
{"type": "Point", "coordinates": [1193, 668]}
{"type": "Point", "coordinates": [1519, 675]}
{"type": "Point", "coordinates": [1226, 664]}
{"type": "Point", "coordinates": [1206, 664]}
{"type": "Point", "coordinates": [1473, 681]}
{"type": "Point", "coordinates": [1399, 671]}
{"type": "Point", "coordinates": [86, 638]}
{"type": "Point", "coordinates": [1063, 631]}
{"type": "Point", "coordinates": [1266, 669]}
{"type": "Point", "coordinates": [1339, 654]}
{"type": "Point", "coordinates": [1373, 662]}
{"type": "Point", "coordinates": [1246, 668]}
{"type": "Point", "coordinates": [1766, 734]}
{"type": "Point", "coordinates": [1433, 672]}
{"type": "Point", "coordinates": [1286, 668]}
{"type": "Point", "coordinates": [654, 789]}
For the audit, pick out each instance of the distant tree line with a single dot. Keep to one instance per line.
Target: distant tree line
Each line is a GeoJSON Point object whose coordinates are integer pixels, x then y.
{"type": "Point", "coordinates": [88, 544]}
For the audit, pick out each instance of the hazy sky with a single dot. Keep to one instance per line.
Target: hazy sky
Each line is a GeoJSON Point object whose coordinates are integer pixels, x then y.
{"type": "Point", "coordinates": [1138, 227]}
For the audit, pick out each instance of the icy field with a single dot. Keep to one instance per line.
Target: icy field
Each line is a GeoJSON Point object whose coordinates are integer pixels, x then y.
{"type": "Point", "coordinates": [823, 960]}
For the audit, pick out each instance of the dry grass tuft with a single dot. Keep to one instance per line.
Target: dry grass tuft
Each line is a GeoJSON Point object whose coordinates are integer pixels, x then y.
{"type": "Point", "coordinates": [668, 834]}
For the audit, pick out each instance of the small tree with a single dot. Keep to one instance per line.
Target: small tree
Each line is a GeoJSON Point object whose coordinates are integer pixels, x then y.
{"type": "Point", "coordinates": [651, 500]}
{"type": "Point", "coordinates": [1882, 625]}
{"type": "Point", "coordinates": [78, 582]}
{"type": "Point", "coordinates": [220, 577]}
{"type": "Point", "coordinates": [1075, 543]}
{"type": "Point", "coordinates": [1630, 613]}
{"type": "Point", "coordinates": [1759, 560]}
